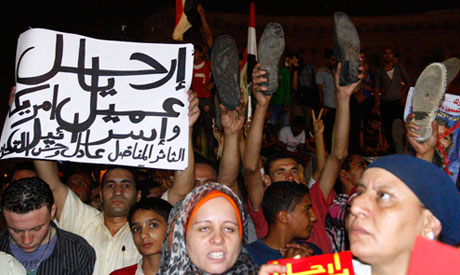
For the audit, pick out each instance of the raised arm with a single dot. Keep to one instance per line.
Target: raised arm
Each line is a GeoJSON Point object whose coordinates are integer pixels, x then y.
{"type": "Point", "coordinates": [48, 171]}
{"type": "Point", "coordinates": [229, 167]}
{"type": "Point", "coordinates": [251, 159]}
{"type": "Point", "coordinates": [184, 180]}
{"type": "Point", "coordinates": [320, 147]}
{"type": "Point", "coordinates": [340, 134]}
{"type": "Point", "coordinates": [205, 25]}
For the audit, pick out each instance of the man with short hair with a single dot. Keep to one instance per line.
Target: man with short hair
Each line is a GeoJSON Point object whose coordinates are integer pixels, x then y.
{"type": "Point", "coordinates": [23, 169]}
{"type": "Point", "coordinates": [325, 84]}
{"type": "Point", "coordinates": [392, 84]}
{"type": "Point", "coordinates": [34, 239]}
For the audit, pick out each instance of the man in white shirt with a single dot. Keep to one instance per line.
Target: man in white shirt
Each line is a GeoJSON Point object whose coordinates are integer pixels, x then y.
{"type": "Point", "coordinates": [293, 135]}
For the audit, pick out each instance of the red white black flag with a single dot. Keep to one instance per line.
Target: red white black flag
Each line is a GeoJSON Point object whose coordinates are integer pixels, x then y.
{"type": "Point", "coordinates": [249, 57]}
{"type": "Point", "coordinates": [182, 23]}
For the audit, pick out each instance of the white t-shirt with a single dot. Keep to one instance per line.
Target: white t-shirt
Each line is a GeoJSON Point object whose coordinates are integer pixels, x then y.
{"type": "Point", "coordinates": [391, 72]}
{"type": "Point", "coordinates": [112, 252]}
{"type": "Point", "coordinates": [287, 137]}
{"type": "Point", "coordinates": [361, 268]}
{"type": "Point", "coordinates": [10, 266]}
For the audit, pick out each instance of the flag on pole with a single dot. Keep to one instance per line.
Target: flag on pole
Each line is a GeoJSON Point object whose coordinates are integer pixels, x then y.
{"type": "Point", "coordinates": [249, 59]}
{"type": "Point", "coordinates": [182, 23]}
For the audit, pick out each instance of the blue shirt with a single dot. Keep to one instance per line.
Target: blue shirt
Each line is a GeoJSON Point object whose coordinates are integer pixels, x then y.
{"type": "Point", "coordinates": [262, 253]}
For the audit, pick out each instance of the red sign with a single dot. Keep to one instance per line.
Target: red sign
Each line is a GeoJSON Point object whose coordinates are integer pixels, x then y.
{"type": "Point", "coordinates": [432, 257]}
{"type": "Point", "coordinates": [330, 264]}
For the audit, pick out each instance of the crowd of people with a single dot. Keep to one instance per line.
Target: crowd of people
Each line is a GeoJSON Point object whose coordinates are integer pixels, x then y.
{"type": "Point", "coordinates": [317, 167]}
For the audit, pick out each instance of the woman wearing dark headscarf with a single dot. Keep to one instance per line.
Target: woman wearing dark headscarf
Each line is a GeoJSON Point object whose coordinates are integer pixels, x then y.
{"type": "Point", "coordinates": [205, 234]}
{"type": "Point", "coordinates": [400, 197]}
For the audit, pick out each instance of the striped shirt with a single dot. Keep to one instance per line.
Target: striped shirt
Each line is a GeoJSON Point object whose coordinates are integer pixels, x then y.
{"type": "Point", "coordinates": [72, 254]}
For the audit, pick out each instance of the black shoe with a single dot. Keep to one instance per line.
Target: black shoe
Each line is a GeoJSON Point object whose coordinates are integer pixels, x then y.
{"type": "Point", "coordinates": [347, 47]}
{"type": "Point", "coordinates": [270, 49]}
{"type": "Point", "coordinates": [225, 64]}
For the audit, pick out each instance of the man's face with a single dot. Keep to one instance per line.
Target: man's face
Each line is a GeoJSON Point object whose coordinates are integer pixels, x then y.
{"type": "Point", "coordinates": [204, 173]}
{"type": "Point", "coordinates": [285, 170]}
{"type": "Point", "coordinates": [332, 62]}
{"type": "Point", "coordinates": [388, 55]}
{"type": "Point", "coordinates": [29, 230]}
{"type": "Point", "coordinates": [81, 185]}
{"type": "Point", "coordinates": [357, 166]}
{"type": "Point", "coordinates": [118, 192]}
{"type": "Point", "coordinates": [302, 218]}
{"type": "Point", "coordinates": [197, 55]}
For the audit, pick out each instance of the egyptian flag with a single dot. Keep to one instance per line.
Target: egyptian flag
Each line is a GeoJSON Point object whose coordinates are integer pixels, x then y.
{"type": "Point", "coordinates": [249, 59]}
{"type": "Point", "coordinates": [182, 22]}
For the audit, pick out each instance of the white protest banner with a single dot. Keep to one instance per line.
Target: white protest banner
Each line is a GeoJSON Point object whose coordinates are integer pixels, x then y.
{"type": "Point", "coordinates": [97, 101]}
{"type": "Point", "coordinates": [447, 154]}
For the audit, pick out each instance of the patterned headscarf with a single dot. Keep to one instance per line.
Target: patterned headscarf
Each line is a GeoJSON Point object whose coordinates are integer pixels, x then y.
{"type": "Point", "coordinates": [176, 261]}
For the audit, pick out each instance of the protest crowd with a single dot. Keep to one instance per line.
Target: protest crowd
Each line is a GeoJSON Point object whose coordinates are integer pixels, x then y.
{"type": "Point", "coordinates": [311, 160]}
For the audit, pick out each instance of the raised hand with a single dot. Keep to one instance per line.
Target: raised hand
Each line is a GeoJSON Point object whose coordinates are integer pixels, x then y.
{"type": "Point", "coordinates": [257, 89]}
{"type": "Point", "coordinates": [318, 124]}
{"type": "Point", "coordinates": [267, 269]}
{"type": "Point", "coordinates": [233, 121]}
{"type": "Point", "coordinates": [294, 249]}
{"type": "Point", "coordinates": [193, 109]}
{"type": "Point", "coordinates": [348, 90]}
{"type": "Point", "coordinates": [426, 149]}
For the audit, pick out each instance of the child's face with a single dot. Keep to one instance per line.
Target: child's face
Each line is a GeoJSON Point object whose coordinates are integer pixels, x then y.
{"type": "Point", "coordinates": [302, 218]}
{"type": "Point", "coordinates": [374, 124]}
{"type": "Point", "coordinates": [149, 231]}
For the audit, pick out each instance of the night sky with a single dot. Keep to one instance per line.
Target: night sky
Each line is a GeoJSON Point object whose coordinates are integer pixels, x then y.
{"type": "Point", "coordinates": [81, 16]}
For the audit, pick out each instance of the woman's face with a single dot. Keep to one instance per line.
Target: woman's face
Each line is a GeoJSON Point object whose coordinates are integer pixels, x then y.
{"type": "Point", "coordinates": [149, 231]}
{"type": "Point", "coordinates": [213, 239]}
{"type": "Point", "coordinates": [385, 218]}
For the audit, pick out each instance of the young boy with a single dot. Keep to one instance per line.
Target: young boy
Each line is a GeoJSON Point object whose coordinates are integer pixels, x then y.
{"type": "Point", "coordinates": [148, 220]}
{"type": "Point", "coordinates": [288, 210]}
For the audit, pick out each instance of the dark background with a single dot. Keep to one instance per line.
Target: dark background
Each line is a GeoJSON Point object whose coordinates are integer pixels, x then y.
{"type": "Point", "coordinates": [95, 18]}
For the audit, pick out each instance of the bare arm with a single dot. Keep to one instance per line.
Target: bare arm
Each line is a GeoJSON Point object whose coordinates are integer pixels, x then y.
{"type": "Point", "coordinates": [229, 167]}
{"type": "Point", "coordinates": [320, 95]}
{"type": "Point", "coordinates": [251, 159]}
{"type": "Point", "coordinates": [340, 135]}
{"type": "Point", "coordinates": [206, 28]}
{"type": "Point", "coordinates": [320, 147]}
{"type": "Point", "coordinates": [184, 180]}
{"type": "Point", "coordinates": [48, 171]}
